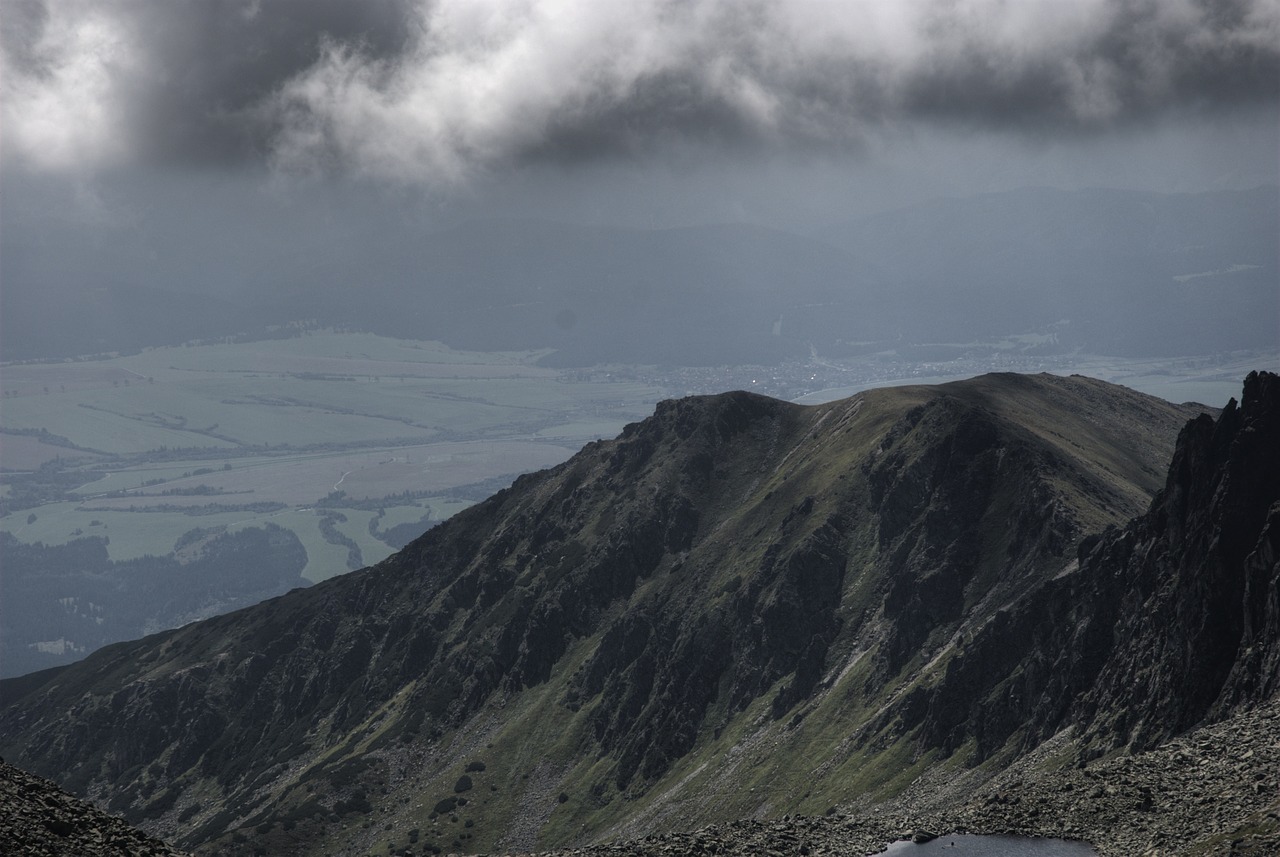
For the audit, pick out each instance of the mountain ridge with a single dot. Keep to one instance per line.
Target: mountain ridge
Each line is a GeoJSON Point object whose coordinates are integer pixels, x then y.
{"type": "Point", "coordinates": [723, 574]}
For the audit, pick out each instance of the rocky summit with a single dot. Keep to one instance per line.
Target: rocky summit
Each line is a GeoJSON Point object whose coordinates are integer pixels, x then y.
{"type": "Point", "coordinates": [989, 605]}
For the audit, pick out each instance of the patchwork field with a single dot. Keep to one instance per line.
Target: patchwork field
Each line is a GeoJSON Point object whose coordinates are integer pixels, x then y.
{"type": "Point", "coordinates": [323, 426]}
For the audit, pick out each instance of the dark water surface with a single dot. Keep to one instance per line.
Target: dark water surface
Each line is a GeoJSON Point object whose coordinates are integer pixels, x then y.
{"type": "Point", "coordinates": [965, 845]}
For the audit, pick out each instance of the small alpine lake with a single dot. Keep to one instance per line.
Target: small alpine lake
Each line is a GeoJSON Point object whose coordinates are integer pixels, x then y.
{"type": "Point", "coordinates": [969, 845]}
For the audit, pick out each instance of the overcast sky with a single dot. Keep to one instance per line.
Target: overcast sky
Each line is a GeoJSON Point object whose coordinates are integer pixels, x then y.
{"type": "Point", "coordinates": [649, 112]}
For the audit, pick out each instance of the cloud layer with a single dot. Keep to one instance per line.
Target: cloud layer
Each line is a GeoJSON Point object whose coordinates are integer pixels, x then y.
{"type": "Point", "coordinates": [435, 91]}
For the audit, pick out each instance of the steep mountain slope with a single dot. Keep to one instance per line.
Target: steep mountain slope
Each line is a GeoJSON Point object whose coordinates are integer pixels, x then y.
{"type": "Point", "coordinates": [738, 607]}
{"type": "Point", "coordinates": [1160, 625]}
{"type": "Point", "coordinates": [1159, 652]}
{"type": "Point", "coordinates": [1156, 656]}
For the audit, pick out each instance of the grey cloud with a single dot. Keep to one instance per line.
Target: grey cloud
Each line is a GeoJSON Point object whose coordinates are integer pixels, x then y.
{"type": "Point", "coordinates": [23, 22]}
{"type": "Point", "coordinates": [1150, 57]}
{"type": "Point", "coordinates": [168, 81]}
{"type": "Point", "coordinates": [436, 91]}
{"type": "Point", "coordinates": [221, 59]}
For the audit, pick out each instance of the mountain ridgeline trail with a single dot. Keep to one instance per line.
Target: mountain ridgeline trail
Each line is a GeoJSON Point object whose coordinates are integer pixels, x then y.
{"type": "Point", "coordinates": [738, 608]}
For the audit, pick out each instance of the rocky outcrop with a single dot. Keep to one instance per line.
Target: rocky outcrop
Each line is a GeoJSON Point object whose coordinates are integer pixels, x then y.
{"type": "Point", "coordinates": [37, 819]}
{"type": "Point", "coordinates": [1161, 625]}
{"type": "Point", "coordinates": [1196, 635]}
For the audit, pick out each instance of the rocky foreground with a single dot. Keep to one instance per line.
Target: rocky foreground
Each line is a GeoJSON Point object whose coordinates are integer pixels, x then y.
{"type": "Point", "coordinates": [1215, 791]}
{"type": "Point", "coordinates": [38, 819]}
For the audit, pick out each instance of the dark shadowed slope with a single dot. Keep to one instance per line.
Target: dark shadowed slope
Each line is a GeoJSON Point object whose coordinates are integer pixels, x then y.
{"type": "Point", "coordinates": [738, 607]}
{"type": "Point", "coordinates": [1170, 621]}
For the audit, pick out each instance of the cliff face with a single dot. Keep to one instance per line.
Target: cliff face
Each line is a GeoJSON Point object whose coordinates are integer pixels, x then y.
{"type": "Point", "coordinates": [1168, 622]}
{"type": "Point", "coordinates": [739, 606]}
{"type": "Point", "coordinates": [1198, 630]}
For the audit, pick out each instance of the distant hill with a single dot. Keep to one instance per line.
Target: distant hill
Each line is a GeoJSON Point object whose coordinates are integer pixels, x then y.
{"type": "Point", "coordinates": [695, 296]}
{"type": "Point", "coordinates": [61, 601]}
{"type": "Point", "coordinates": [1113, 272]}
{"type": "Point", "coordinates": [740, 607]}
{"type": "Point", "coordinates": [1109, 271]}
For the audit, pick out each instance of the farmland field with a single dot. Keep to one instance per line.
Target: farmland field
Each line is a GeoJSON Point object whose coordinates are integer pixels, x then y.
{"type": "Point", "coordinates": [143, 448]}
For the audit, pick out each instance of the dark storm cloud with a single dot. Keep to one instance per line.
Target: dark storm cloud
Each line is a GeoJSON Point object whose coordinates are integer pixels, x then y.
{"type": "Point", "coordinates": [1143, 57]}
{"type": "Point", "coordinates": [433, 91]}
{"type": "Point", "coordinates": [169, 80]}
{"type": "Point", "coordinates": [223, 58]}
